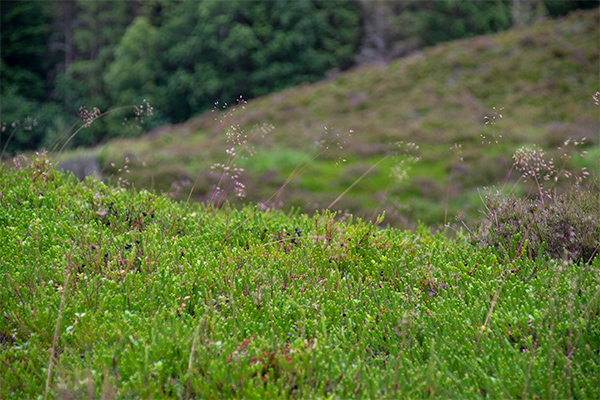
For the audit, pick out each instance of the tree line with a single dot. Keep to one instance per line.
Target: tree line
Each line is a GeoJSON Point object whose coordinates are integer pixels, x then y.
{"type": "Point", "coordinates": [183, 56]}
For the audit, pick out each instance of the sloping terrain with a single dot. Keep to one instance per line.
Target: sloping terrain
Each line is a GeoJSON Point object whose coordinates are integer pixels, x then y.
{"type": "Point", "coordinates": [541, 79]}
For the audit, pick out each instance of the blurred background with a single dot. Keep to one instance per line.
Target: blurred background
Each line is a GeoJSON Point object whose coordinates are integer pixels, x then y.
{"type": "Point", "coordinates": [394, 72]}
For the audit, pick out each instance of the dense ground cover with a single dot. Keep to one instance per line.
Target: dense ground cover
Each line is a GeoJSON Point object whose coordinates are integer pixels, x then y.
{"type": "Point", "coordinates": [113, 293]}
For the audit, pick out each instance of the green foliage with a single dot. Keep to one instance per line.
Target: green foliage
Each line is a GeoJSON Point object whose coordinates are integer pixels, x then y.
{"type": "Point", "coordinates": [559, 8]}
{"type": "Point", "coordinates": [26, 63]}
{"type": "Point", "coordinates": [101, 25]}
{"type": "Point", "coordinates": [134, 72]}
{"type": "Point", "coordinates": [397, 28]}
{"type": "Point", "coordinates": [155, 299]}
{"type": "Point", "coordinates": [180, 56]}
{"type": "Point", "coordinates": [250, 49]}
{"type": "Point", "coordinates": [57, 68]}
{"type": "Point", "coordinates": [184, 56]}
{"type": "Point", "coordinates": [23, 40]}
{"type": "Point", "coordinates": [34, 124]}
{"type": "Point", "coordinates": [440, 21]}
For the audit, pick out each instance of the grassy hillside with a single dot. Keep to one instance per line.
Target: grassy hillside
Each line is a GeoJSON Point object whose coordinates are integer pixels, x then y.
{"type": "Point", "coordinates": [543, 77]}
{"type": "Point", "coordinates": [111, 293]}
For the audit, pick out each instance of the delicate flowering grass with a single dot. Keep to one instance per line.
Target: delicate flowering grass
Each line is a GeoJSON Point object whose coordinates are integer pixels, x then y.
{"type": "Point", "coordinates": [27, 124]}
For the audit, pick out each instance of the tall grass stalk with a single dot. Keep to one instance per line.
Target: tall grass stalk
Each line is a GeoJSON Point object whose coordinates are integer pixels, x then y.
{"type": "Point", "coordinates": [191, 359]}
{"type": "Point", "coordinates": [15, 129]}
{"type": "Point", "coordinates": [58, 319]}
{"type": "Point", "coordinates": [88, 117]}
{"type": "Point", "coordinates": [492, 121]}
{"type": "Point", "coordinates": [356, 181]}
{"type": "Point", "coordinates": [456, 149]}
{"type": "Point", "coordinates": [28, 124]}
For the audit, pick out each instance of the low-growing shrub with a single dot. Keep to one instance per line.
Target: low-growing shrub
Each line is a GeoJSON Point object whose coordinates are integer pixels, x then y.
{"type": "Point", "coordinates": [547, 222]}
{"type": "Point", "coordinates": [563, 226]}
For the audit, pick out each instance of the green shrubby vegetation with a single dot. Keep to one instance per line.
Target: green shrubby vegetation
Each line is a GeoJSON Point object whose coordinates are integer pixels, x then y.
{"type": "Point", "coordinates": [114, 293]}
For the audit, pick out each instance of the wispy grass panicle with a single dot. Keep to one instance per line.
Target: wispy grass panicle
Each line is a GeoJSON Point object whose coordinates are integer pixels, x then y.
{"type": "Point", "coordinates": [407, 156]}
{"type": "Point", "coordinates": [532, 164]}
{"type": "Point", "coordinates": [87, 117]}
{"type": "Point", "coordinates": [27, 125]}
{"type": "Point", "coordinates": [230, 180]}
{"type": "Point", "coordinates": [225, 112]}
{"type": "Point", "coordinates": [491, 121]}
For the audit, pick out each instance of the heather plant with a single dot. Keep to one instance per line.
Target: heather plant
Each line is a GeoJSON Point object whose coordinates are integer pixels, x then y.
{"type": "Point", "coordinates": [547, 222]}
{"type": "Point", "coordinates": [564, 226]}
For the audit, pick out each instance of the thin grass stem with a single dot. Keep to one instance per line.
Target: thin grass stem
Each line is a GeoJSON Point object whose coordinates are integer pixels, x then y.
{"type": "Point", "coordinates": [356, 181]}
{"type": "Point", "coordinates": [57, 325]}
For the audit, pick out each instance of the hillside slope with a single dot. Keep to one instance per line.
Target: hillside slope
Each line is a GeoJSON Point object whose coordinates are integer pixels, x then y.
{"type": "Point", "coordinates": [542, 78]}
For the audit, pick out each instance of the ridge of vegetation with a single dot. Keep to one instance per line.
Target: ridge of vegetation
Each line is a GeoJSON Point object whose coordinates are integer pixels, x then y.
{"type": "Point", "coordinates": [112, 293]}
{"type": "Point", "coordinates": [543, 76]}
